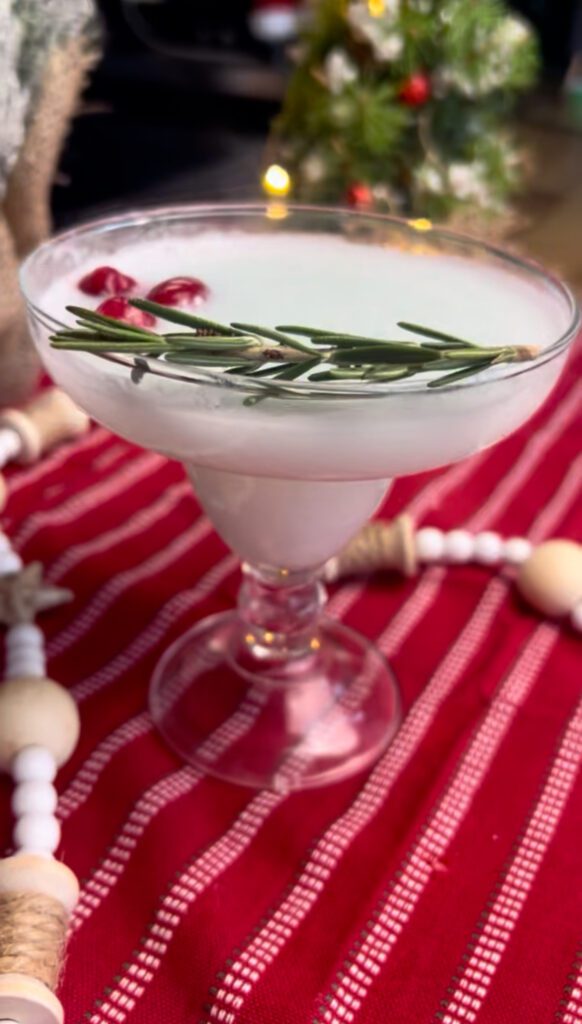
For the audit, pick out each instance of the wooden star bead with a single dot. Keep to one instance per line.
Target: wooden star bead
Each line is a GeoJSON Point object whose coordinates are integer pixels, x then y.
{"type": "Point", "coordinates": [36, 713]}
{"type": "Point", "coordinates": [24, 594]}
{"type": "Point", "coordinates": [551, 578]}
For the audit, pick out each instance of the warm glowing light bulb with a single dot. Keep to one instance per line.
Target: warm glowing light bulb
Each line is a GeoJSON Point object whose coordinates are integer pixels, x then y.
{"type": "Point", "coordinates": [376, 7]}
{"type": "Point", "coordinates": [276, 211]}
{"type": "Point", "coordinates": [276, 181]}
{"type": "Point", "coordinates": [421, 224]}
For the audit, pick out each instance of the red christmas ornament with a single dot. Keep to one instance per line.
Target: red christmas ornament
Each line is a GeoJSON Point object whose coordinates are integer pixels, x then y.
{"type": "Point", "coordinates": [119, 308]}
{"type": "Point", "coordinates": [360, 196]}
{"type": "Point", "coordinates": [106, 281]}
{"type": "Point", "coordinates": [415, 90]}
{"type": "Point", "coordinates": [179, 291]}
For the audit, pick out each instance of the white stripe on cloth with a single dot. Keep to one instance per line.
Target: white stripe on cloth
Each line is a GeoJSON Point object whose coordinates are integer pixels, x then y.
{"type": "Point", "coordinates": [494, 929]}
{"type": "Point", "coordinates": [81, 787]}
{"type": "Point", "coordinates": [56, 460]}
{"type": "Point", "coordinates": [131, 528]}
{"type": "Point", "coordinates": [570, 1009]}
{"type": "Point", "coordinates": [111, 1009]}
{"type": "Point", "coordinates": [151, 635]}
{"type": "Point", "coordinates": [78, 505]}
{"type": "Point", "coordinates": [175, 550]}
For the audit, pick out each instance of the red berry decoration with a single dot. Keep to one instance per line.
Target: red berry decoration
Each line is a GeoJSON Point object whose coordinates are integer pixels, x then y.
{"type": "Point", "coordinates": [119, 308]}
{"type": "Point", "coordinates": [360, 196]}
{"type": "Point", "coordinates": [179, 291]}
{"type": "Point", "coordinates": [106, 281]}
{"type": "Point", "coordinates": [416, 90]}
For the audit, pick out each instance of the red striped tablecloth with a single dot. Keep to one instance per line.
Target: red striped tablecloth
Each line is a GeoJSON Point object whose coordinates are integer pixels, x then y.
{"type": "Point", "coordinates": [444, 885]}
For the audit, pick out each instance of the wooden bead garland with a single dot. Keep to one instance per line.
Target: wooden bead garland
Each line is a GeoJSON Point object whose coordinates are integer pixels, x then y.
{"type": "Point", "coordinates": [36, 712]}
{"type": "Point", "coordinates": [39, 728]}
{"type": "Point", "coordinates": [549, 577]}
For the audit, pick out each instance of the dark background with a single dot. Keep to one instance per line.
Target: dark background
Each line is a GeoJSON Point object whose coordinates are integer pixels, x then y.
{"type": "Point", "coordinates": [179, 106]}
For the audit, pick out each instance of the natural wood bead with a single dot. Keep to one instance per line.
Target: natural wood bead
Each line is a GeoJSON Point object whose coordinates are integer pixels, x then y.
{"type": "Point", "coordinates": [36, 712]}
{"type": "Point", "coordinates": [47, 420]}
{"type": "Point", "coordinates": [31, 872]}
{"type": "Point", "coordinates": [28, 1001]}
{"type": "Point", "coordinates": [551, 578]}
{"type": "Point", "coordinates": [379, 545]}
{"type": "Point", "coordinates": [3, 493]}
{"type": "Point", "coordinates": [33, 764]}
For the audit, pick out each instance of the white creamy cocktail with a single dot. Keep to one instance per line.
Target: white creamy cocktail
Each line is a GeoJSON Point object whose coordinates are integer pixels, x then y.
{"type": "Point", "coordinates": [289, 479]}
{"type": "Point", "coordinates": [292, 464]}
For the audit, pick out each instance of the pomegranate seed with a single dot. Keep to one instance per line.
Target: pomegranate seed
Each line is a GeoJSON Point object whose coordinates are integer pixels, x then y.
{"type": "Point", "coordinates": [119, 308]}
{"type": "Point", "coordinates": [179, 291]}
{"type": "Point", "coordinates": [106, 281]}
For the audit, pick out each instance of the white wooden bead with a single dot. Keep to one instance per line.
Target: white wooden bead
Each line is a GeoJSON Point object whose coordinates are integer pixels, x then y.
{"type": "Point", "coordinates": [37, 712]}
{"type": "Point", "coordinates": [25, 665]}
{"type": "Point", "coordinates": [37, 832]}
{"type": "Point", "coordinates": [33, 764]}
{"type": "Point", "coordinates": [488, 549]}
{"type": "Point", "coordinates": [24, 634]}
{"type": "Point", "coordinates": [577, 616]}
{"type": "Point", "coordinates": [5, 544]}
{"type": "Point", "coordinates": [459, 546]}
{"type": "Point", "coordinates": [34, 797]}
{"type": "Point", "coordinates": [430, 544]}
{"type": "Point", "coordinates": [29, 872]}
{"type": "Point", "coordinates": [28, 1001]}
{"type": "Point", "coordinates": [10, 563]}
{"type": "Point", "coordinates": [551, 578]}
{"type": "Point", "coordinates": [516, 550]}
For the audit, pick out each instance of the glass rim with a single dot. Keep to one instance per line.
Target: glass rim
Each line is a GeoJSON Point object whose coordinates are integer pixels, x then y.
{"type": "Point", "coordinates": [198, 375]}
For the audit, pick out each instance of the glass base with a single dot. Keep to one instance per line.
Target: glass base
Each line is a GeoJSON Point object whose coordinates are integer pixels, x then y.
{"type": "Point", "coordinates": [275, 724]}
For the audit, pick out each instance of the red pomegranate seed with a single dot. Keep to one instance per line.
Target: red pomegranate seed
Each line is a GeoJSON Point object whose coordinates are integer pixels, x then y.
{"type": "Point", "coordinates": [106, 281]}
{"type": "Point", "coordinates": [119, 308]}
{"type": "Point", "coordinates": [179, 291]}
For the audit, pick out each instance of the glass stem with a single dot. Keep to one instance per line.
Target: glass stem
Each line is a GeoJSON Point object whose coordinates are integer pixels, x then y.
{"type": "Point", "coordinates": [281, 611]}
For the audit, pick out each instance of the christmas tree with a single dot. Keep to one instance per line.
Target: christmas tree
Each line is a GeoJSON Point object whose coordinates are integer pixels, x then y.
{"type": "Point", "coordinates": [403, 105]}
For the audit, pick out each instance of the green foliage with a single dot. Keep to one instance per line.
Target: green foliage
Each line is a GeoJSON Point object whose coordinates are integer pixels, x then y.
{"type": "Point", "coordinates": [344, 120]}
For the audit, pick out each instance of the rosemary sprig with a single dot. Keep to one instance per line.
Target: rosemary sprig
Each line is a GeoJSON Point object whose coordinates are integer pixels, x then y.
{"type": "Point", "coordinates": [280, 354]}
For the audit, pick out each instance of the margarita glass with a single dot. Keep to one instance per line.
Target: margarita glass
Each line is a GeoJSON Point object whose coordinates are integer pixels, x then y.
{"type": "Point", "coordinates": [275, 693]}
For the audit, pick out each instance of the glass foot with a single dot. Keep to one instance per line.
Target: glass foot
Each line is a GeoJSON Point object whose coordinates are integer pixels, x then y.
{"type": "Point", "coordinates": [276, 724]}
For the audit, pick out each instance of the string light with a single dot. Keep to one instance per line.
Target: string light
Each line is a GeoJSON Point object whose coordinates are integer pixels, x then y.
{"type": "Point", "coordinates": [376, 8]}
{"type": "Point", "coordinates": [276, 181]}
{"type": "Point", "coordinates": [420, 224]}
{"type": "Point", "coordinates": [276, 211]}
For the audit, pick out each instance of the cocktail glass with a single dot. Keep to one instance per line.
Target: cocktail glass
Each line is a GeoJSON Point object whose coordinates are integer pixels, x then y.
{"type": "Point", "coordinates": [276, 694]}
